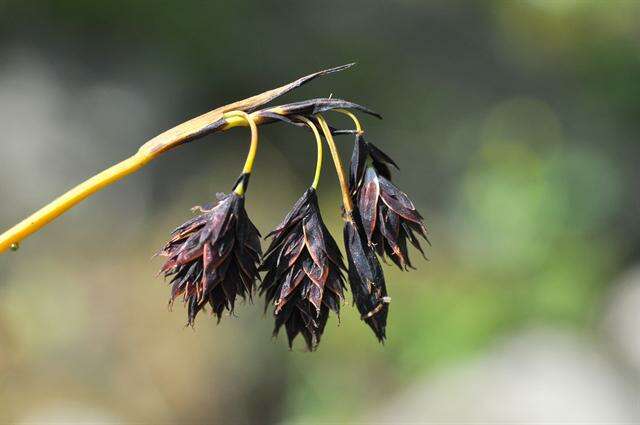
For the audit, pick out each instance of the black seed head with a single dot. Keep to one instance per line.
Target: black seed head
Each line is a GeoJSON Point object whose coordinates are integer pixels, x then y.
{"type": "Point", "coordinates": [304, 278]}
{"type": "Point", "coordinates": [213, 257]}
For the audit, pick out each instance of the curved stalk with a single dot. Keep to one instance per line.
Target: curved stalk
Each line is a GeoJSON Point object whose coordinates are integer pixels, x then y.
{"type": "Point", "coordinates": [253, 149]}
{"type": "Point", "coordinates": [344, 188]}
{"type": "Point", "coordinates": [314, 129]}
{"type": "Point", "coordinates": [351, 115]}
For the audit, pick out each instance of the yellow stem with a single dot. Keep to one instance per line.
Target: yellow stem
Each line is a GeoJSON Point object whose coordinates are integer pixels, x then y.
{"type": "Point", "coordinates": [344, 187]}
{"type": "Point", "coordinates": [312, 126]}
{"type": "Point", "coordinates": [12, 237]}
{"type": "Point", "coordinates": [253, 149]}
{"type": "Point", "coordinates": [150, 150]}
{"type": "Point", "coordinates": [353, 117]}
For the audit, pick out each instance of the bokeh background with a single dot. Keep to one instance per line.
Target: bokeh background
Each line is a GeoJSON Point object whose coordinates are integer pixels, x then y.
{"type": "Point", "coordinates": [515, 125]}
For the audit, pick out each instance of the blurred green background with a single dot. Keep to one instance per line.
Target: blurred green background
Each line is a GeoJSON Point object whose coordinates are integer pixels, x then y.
{"type": "Point", "coordinates": [515, 126]}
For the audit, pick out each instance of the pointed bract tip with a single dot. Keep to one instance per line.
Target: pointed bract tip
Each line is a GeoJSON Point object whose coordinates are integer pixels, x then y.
{"type": "Point", "coordinates": [338, 68]}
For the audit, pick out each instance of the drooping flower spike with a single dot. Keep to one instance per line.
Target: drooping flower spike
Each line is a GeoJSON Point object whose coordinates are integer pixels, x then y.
{"type": "Point", "coordinates": [366, 278]}
{"type": "Point", "coordinates": [213, 257]}
{"type": "Point", "coordinates": [389, 218]}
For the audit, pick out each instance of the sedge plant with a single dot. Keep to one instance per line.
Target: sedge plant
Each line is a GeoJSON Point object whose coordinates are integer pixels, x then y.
{"type": "Point", "coordinates": [216, 256]}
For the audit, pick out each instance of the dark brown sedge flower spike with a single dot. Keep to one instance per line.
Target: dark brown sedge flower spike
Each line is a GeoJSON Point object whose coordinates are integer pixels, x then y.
{"type": "Point", "coordinates": [388, 216]}
{"type": "Point", "coordinates": [366, 278]}
{"type": "Point", "coordinates": [304, 278]}
{"type": "Point", "coordinates": [213, 257]}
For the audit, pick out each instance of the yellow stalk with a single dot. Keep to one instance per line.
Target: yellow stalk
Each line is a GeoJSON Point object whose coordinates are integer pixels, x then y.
{"type": "Point", "coordinates": [312, 126]}
{"type": "Point", "coordinates": [344, 187]}
{"type": "Point", "coordinates": [353, 118]}
{"type": "Point", "coordinates": [253, 149]}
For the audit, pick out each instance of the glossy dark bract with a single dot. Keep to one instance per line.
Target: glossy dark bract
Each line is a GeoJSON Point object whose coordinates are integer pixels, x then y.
{"type": "Point", "coordinates": [304, 278]}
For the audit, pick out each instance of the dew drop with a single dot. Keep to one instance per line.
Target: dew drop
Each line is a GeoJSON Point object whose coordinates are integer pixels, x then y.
{"type": "Point", "coordinates": [15, 246]}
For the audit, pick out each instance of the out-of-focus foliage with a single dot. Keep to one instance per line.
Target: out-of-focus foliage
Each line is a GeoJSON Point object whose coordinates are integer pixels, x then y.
{"type": "Point", "coordinates": [514, 123]}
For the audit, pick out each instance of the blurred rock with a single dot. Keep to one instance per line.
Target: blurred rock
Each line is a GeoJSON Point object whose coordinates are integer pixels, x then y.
{"type": "Point", "coordinates": [69, 413]}
{"type": "Point", "coordinates": [621, 322]}
{"type": "Point", "coordinates": [540, 376]}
